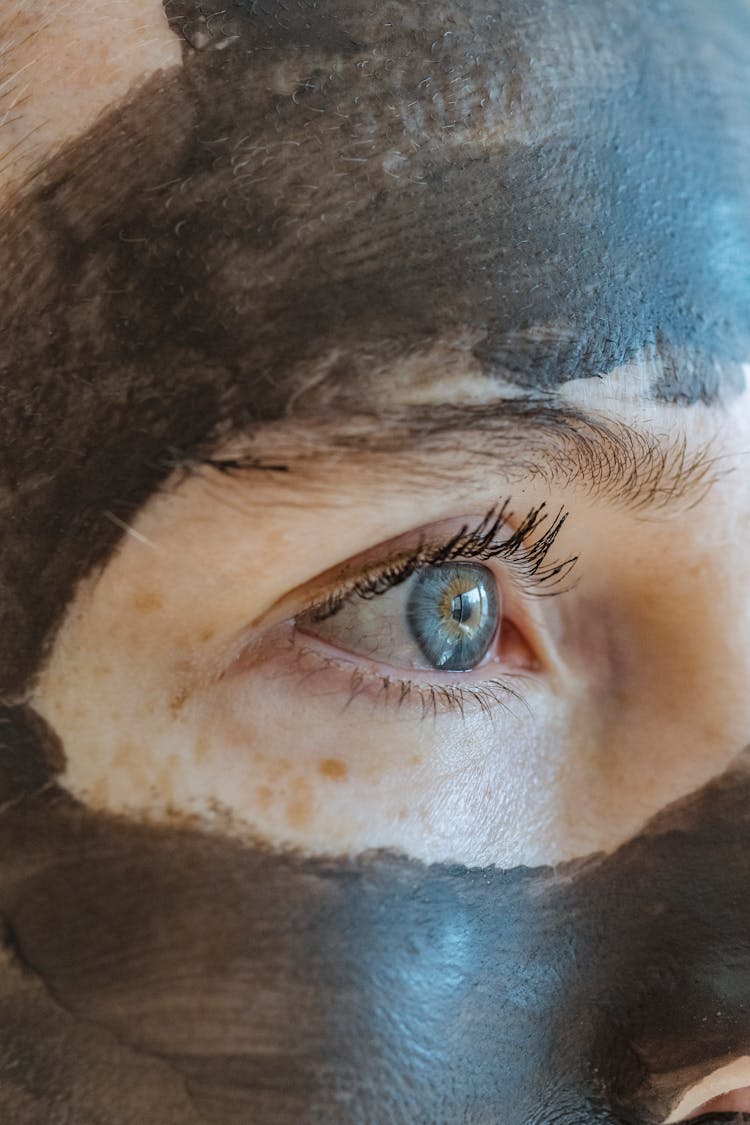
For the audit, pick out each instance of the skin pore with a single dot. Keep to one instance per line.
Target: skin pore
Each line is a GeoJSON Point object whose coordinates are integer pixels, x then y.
{"type": "Point", "coordinates": [336, 279]}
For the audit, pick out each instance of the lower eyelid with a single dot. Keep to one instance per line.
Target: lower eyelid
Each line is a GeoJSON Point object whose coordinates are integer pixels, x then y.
{"type": "Point", "coordinates": [327, 670]}
{"type": "Point", "coordinates": [294, 661]}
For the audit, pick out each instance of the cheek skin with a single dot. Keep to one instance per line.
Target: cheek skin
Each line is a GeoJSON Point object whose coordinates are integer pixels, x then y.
{"type": "Point", "coordinates": [663, 662]}
{"type": "Point", "coordinates": [318, 776]}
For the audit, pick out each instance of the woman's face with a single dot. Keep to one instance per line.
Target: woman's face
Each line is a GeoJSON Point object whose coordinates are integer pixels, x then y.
{"type": "Point", "coordinates": [376, 637]}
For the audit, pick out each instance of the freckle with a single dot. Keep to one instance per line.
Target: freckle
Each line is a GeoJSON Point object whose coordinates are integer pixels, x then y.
{"type": "Point", "coordinates": [237, 734]}
{"type": "Point", "coordinates": [264, 796]}
{"type": "Point", "coordinates": [403, 814]}
{"type": "Point", "coordinates": [298, 812]}
{"type": "Point", "coordinates": [206, 636]}
{"type": "Point", "coordinates": [416, 759]}
{"type": "Point", "coordinates": [147, 601]}
{"type": "Point", "coordinates": [333, 769]}
{"type": "Point", "coordinates": [278, 768]}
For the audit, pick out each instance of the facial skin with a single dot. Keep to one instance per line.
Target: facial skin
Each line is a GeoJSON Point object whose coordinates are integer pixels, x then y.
{"type": "Point", "coordinates": [333, 280]}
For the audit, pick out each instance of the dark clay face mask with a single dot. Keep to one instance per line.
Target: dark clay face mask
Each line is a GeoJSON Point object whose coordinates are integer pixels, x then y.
{"type": "Point", "coordinates": [168, 282]}
{"type": "Point", "coordinates": [227, 984]}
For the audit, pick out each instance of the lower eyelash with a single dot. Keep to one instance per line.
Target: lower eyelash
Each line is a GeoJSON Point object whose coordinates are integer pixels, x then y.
{"type": "Point", "coordinates": [438, 699]}
{"type": "Point", "coordinates": [431, 699]}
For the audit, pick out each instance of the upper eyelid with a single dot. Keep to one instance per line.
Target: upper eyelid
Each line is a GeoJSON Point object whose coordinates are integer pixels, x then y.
{"type": "Point", "coordinates": [521, 545]}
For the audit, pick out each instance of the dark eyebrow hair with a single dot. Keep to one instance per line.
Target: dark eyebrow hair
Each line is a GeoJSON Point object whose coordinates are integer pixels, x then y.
{"type": "Point", "coordinates": [526, 439]}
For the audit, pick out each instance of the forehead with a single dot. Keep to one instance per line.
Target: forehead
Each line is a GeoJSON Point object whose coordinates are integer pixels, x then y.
{"type": "Point", "coordinates": [552, 192]}
{"type": "Point", "coordinates": [558, 190]}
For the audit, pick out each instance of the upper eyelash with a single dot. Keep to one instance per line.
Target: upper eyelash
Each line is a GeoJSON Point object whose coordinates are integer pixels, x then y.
{"type": "Point", "coordinates": [527, 556]}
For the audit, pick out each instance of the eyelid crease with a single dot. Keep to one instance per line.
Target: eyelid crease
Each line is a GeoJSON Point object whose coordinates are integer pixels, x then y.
{"type": "Point", "coordinates": [525, 555]}
{"type": "Point", "coordinates": [522, 550]}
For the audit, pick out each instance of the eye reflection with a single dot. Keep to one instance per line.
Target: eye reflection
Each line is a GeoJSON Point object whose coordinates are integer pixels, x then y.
{"type": "Point", "coordinates": [452, 613]}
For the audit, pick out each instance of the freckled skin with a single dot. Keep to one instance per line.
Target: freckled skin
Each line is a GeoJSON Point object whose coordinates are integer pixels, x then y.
{"type": "Point", "coordinates": [228, 984]}
{"type": "Point", "coordinates": [147, 601]}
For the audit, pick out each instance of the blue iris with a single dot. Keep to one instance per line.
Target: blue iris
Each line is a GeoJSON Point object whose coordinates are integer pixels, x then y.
{"type": "Point", "coordinates": [452, 613]}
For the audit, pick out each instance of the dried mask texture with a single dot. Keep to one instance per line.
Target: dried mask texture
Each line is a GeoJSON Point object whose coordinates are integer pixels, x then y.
{"type": "Point", "coordinates": [274, 989]}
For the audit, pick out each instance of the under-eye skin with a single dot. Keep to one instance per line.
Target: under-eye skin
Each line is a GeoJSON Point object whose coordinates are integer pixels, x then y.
{"type": "Point", "coordinates": [440, 620]}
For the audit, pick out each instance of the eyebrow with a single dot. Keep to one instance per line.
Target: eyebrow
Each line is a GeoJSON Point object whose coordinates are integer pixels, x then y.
{"type": "Point", "coordinates": [523, 438]}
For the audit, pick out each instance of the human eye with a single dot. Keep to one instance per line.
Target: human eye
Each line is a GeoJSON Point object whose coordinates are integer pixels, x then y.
{"type": "Point", "coordinates": [442, 619]}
